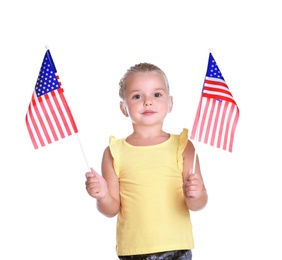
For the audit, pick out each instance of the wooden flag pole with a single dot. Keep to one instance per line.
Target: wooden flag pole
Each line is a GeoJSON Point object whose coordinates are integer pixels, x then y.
{"type": "Point", "coordinates": [196, 148]}
{"type": "Point", "coordinates": [88, 168]}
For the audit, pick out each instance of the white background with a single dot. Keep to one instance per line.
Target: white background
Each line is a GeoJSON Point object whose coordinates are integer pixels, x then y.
{"type": "Point", "coordinates": [45, 210]}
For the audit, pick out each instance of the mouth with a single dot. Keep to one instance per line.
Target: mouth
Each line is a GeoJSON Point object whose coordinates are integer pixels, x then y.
{"type": "Point", "coordinates": [148, 112]}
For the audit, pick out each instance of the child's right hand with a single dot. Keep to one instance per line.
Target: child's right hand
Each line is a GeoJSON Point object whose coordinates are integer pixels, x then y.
{"type": "Point", "coordinates": [96, 185]}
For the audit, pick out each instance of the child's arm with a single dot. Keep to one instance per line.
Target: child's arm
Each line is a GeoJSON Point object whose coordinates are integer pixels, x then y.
{"type": "Point", "coordinates": [195, 193]}
{"type": "Point", "coordinates": [105, 188]}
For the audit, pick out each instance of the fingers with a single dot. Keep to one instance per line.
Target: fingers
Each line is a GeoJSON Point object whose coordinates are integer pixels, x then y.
{"type": "Point", "coordinates": [92, 173]}
{"type": "Point", "coordinates": [94, 184]}
{"type": "Point", "coordinates": [92, 177]}
{"type": "Point", "coordinates": [189, 175]}
{"type": "Point", "coordinates": [192, 184]}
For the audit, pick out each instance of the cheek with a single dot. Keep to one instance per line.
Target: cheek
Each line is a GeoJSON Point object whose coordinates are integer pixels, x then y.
{"type": "Point", "coordinates": [165, 105]}
{"type": "Point", "coordinates": [134, 106]}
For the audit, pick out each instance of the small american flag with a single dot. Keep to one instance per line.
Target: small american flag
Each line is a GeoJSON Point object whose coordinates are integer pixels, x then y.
{"type": "Point", "coordinates": [217, 114]}
{"type": "Point", "coordinates": [48, 118]}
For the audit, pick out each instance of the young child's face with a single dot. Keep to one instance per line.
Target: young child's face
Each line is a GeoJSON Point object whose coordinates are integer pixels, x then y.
{"type": "Point", "coordinates": [147, 100]}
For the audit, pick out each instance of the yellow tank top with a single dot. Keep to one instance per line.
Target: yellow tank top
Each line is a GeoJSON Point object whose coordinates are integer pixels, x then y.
{"type": "Point", "coordinates": [153, 215]}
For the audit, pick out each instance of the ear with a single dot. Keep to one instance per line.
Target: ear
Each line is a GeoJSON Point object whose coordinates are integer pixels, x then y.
{"type": "Point", "coordinates": [123, 109]}
{"type": "Point", "coordinates": [170, 104]}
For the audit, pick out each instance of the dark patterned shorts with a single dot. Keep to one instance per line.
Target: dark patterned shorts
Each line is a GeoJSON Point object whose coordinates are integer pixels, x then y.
{"type": "Point", "coordinates": [170, 255]}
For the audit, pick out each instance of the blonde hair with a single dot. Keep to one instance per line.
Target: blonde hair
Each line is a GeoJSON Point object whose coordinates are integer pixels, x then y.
{"type": "Point", "coordinates": [141, 67]}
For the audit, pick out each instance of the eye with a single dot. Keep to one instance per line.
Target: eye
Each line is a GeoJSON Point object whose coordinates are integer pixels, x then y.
{"type": "Point", "coordinates": [158, 94]}
{"type": "Point", "coordinates": [137, 96]}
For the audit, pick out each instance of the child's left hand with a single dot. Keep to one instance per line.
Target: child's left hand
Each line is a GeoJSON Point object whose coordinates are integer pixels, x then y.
{"type": "Point", "coordinates": [193, 186]}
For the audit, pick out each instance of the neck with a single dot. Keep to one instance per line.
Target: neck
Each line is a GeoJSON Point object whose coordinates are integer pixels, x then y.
{"type": "Point", "coordinates": [143, 136]}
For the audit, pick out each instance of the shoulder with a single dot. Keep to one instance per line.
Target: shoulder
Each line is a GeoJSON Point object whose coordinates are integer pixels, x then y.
{"type": "Point", "coordinates": [107, 155]}
{"type": "Point", "coordinates": [189, 146]}
{"type": "Point", "coordinates": [189, 150]}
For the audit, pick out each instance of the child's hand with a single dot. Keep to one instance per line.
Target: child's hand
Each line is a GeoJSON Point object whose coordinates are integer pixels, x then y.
{"type": "Point", "coordinates": [96, 185]}
{"type": "Point", "coordinates": [193, 185]}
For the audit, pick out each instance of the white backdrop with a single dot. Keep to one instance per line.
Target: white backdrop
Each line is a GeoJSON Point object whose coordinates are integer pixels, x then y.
{"type": "Point", "coordinates": [45, 210]}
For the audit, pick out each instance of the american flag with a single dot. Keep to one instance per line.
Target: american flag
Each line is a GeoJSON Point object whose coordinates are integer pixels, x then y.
{"type": "Point", "coordinates": [48, 118]}
{"type": "Point", "coordinates": [217, 114]}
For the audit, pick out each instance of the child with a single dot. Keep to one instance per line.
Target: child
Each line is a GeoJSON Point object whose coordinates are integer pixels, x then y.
{"type": "Point", "coordinates": [147, 177]}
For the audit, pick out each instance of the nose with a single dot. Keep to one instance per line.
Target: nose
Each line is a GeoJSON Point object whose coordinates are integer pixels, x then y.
{"type": "Point", "coordinates": [148, 102]}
